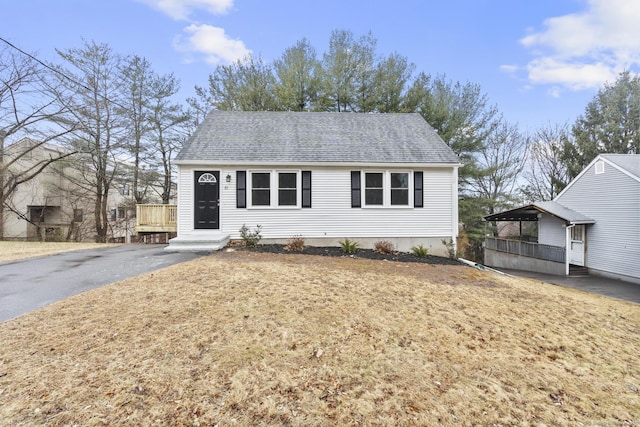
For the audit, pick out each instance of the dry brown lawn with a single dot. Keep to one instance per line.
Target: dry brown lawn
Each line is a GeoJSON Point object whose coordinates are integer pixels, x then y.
{"type": "Point", "coordinates": [242, 339]}
{"type": "Point", "coordinates": [11, 251]}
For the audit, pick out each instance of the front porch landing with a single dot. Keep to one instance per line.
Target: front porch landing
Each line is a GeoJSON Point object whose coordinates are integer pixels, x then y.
{"type": "Point", "coordinates": [198, 242]}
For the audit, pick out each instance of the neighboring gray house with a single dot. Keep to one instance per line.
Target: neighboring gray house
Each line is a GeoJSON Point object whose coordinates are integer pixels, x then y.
{"type": "Point", "coordinates": [593, 223]}
{"type": "Point", "coordinates": [322, 176]}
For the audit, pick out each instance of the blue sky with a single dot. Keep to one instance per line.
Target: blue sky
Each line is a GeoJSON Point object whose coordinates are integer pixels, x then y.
{"type": "Point", "coordinates": [540, 61]}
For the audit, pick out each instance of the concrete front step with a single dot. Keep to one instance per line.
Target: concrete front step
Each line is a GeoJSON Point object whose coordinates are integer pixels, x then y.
{"type": "Point", "coordinates": [578, 270]}
{"type": "Point", "coordinates": [198, 242]}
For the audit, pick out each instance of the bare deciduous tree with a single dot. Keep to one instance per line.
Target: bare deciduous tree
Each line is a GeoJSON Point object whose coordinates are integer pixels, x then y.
{"type": "Point", "coordinates": [547, 172]}
{"type": "Point", "coordinates": [29, 112]}
{"type": "Point", "coordinates": [96, 106]}
{"type": "Point", "coordinates": [169, 127]}
{"type": "Point", "coordinates": [499, 163]}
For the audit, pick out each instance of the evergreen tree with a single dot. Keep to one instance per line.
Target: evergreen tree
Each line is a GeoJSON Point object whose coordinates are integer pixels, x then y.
{"type": "Point", "coordinates": [610, 124]}
{"type": "Point", "coordinates": [298, 77]}
{"type": "Point", "coordinates": [391, 79]}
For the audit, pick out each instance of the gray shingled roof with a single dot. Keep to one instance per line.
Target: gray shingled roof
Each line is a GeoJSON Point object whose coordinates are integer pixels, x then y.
{"type": "Point", "coordinates": [304, 137]}
{"type": "Point", "coordinates": [563, 212]}
{"type": "Point", "coordinates": [628, 162]}
{"type": "Point", "coordinates": [530, 212]}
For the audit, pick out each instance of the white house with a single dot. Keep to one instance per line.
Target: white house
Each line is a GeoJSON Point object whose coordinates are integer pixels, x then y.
{"type": "Point", "coordinates": [322, 176]}
{"type": "Point", "coordinates": [593, 223]}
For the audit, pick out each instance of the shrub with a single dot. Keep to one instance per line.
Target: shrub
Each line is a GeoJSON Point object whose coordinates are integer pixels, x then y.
{"type": "Point", "coordinates": [451, 250]}
{"type": "Point", "coordinates": [420, 251]}
{"type": "Point", "coordinates": [296, 244]}
{"type": "Point", "coordinates": [464, 244]}
{"type": "Point", "coordinates": [250, 237]}
{"type": "Point", "coordinates": [349, 246]}
{"type": "Point", "coordinates": [384, 247]}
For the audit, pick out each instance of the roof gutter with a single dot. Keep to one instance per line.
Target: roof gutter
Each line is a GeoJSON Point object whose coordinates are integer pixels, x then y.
{"type": "Point", "coordinates": [310, 164]}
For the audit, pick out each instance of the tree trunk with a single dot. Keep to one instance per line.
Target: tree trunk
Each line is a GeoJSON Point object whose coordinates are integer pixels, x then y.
{"type": "Point", "coordinates": [1, 206]}
{"type": "Point", "coordinates": [2, 135]}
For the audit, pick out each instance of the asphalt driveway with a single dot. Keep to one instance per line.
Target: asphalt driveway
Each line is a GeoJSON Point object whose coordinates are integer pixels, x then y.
{"type": "Point", "coordinates": [594, 284]}
{"type": "Point", "coordinates": [29, 284]}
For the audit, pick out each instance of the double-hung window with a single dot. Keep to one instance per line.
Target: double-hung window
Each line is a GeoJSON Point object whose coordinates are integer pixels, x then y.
{"type": "Point", "coordinates": [273, 189]}
{"type": "Point", "coordinates": [287, 189]}
{"type": "Point", "coordinates": [373, 189]}
{"type": "Point", "coordinates": [261, 188]}
{"type": "Point", "coordinates": [399, 189]}
{"type": "Point", "coordinates": [386, 189]}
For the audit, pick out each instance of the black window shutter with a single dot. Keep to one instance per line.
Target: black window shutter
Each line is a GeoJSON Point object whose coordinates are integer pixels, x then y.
{"type": "Point", "coordinates": [356, 201]}
{"type": "Point", "coordinates": [418, 194]}
{"type": "Point", "coordinates": [306, 189]}
{"type": "Point", "coordinates": [241, 189]}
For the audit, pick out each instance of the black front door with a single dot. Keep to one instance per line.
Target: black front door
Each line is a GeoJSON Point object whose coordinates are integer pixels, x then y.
{"type": "Point", "coordinates": [207, 200]}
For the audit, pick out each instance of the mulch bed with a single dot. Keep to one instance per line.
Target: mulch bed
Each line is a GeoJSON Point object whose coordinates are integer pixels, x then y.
{"type": "Point", "coordinates": [360, 253]}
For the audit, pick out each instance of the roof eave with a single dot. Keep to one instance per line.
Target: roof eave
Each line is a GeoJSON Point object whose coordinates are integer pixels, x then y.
{"type": "Point", "coordinates": [315, 164]}
{"type": "Point", "coordinates": [513, 215]}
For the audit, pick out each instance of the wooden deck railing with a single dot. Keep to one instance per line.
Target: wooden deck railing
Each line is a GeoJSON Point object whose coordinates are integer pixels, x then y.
{"type": "Point", "coordinates": [156, 218]}
{"type": "Point", "coordinates": [528, 249]}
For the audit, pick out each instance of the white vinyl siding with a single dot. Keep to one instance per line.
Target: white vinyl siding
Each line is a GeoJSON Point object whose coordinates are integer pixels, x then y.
{"type": "Point", "coordinates": [185, 200]}
{"type": "Point", "coordinates": [331, 215]}
{"type": "Point", "coordinates": [612, 199]}
{"type": "Point", "coordinates": [551, 231]}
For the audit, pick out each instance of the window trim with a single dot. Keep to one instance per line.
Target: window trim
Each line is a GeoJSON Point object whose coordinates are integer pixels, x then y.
{"type": "Point", "coordinates": [365, 188]}
{"type": "Point", "coordinates": [408, 189]}
{"type": "Point", "coordinates": [280, 189]}
{"type": "Point", "coordinates": [274, 188]}
{"type": "Point", "coordinates": [575, 236]}
{"type": "Point", "coordinates": [359, 178]}
{"type": "Point", "coordinates": [263, 189]}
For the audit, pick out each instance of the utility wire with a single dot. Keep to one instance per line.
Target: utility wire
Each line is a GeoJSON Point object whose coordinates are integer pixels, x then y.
{"type": "Point", "coordinates": [71, 79]}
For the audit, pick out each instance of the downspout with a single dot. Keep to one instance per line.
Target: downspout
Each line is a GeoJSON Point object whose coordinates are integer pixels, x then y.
{"type": "Point", "coordinates": [454, 209]}
{"type": "Point", "coordinates": [567, 245]}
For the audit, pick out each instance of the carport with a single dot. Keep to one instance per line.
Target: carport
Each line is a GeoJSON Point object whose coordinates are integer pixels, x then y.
{"type": "Point", "coordinates": [557, 248]}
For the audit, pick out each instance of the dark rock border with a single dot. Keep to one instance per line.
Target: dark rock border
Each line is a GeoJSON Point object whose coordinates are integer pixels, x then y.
{"type": "Point", "coordinates": [360, 253]}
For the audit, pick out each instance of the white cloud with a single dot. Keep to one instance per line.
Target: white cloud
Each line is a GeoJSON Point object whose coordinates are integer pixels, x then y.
{"type": "Point", "coordinates": [181, 9]}
{"type": "Point", "coordinates": [585, 49]}
{"type": "Point", "coordinates": [575, 76]}
{"type": "Point", "coordinates": [201, 41]}
{"type": "Point", "coordinates": [509, 68]}
{"type": "Point", "coordinates": [212, 43]}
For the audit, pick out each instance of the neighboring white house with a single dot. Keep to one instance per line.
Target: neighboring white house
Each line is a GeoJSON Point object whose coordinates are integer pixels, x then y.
{"type": "Point", "coordinates": [593, 223]}
{"type": "Point", "coordinates": [322, 176]}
